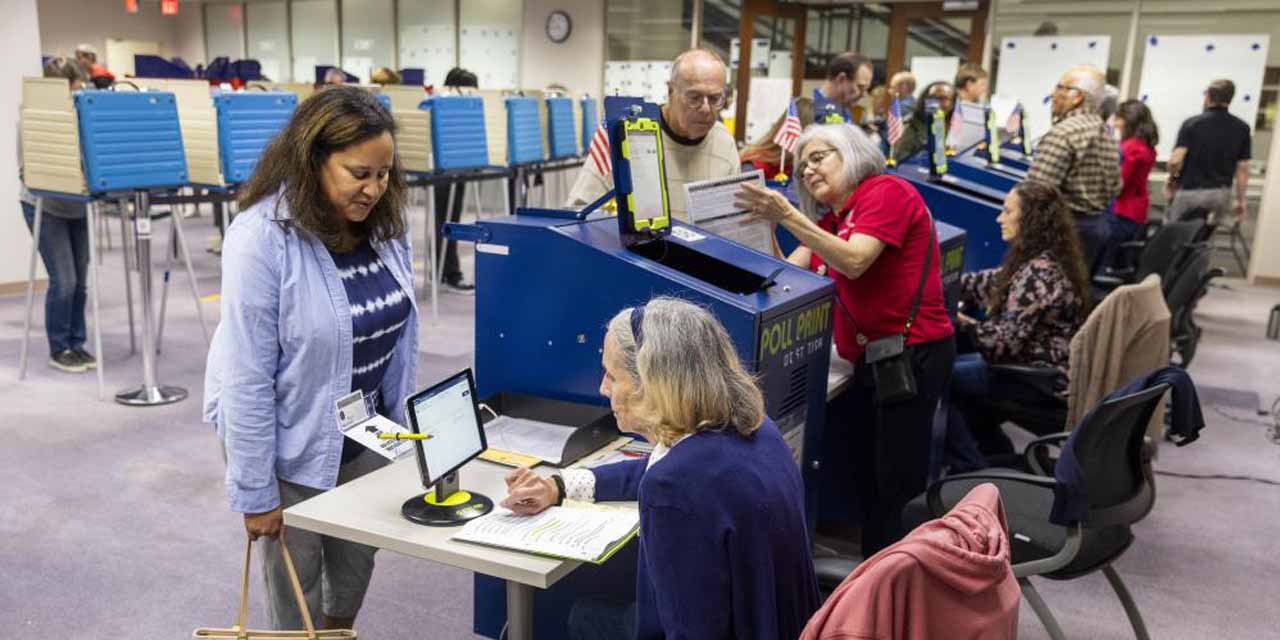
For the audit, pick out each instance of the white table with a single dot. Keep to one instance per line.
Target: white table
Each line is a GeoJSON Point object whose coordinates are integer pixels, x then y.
{"type": "Point", "coordinates": [367, 510]}
{"type": "Point", "coordinates": [838, 376]}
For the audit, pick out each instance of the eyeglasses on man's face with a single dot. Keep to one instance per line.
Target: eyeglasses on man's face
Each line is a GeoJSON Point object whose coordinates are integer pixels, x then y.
{"type": "Point", "coordinates": [1065, 87]}
{"type": "Point", "coordinates": [695, 99]}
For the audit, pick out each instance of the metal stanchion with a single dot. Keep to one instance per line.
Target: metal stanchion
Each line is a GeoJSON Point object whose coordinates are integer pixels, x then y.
{"type": "Point", "coordinates": [150, 393]}
{"type": "Point", "coordinates": [433, 272]}
{"type": "Point", "coordinates": [95, 259]}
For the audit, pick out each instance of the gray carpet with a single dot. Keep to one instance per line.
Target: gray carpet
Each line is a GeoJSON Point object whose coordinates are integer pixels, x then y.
{"type": "Point", "coordinates": [114, 522]}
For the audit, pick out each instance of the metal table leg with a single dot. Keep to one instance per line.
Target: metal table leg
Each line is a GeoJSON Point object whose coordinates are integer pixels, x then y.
{"type": "Point", "coordinates": [519, 611]}
{"type": "Point", "coordinates": [181, 237]}
{"type": "Point", "coordinates": [149, 393]}
{"type": "Point", "coordinates": [95, 260]}
{"type": "Point", "coordinates": [127, 244]}
{"type": "Point", "coordinates": [31, 288]}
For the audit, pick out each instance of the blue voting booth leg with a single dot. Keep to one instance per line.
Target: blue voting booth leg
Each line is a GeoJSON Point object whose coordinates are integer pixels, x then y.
{"type": "Point", "coordinates": [613, 580]}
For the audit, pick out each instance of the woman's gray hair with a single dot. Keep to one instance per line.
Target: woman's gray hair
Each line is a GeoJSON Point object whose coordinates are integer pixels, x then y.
{"type": "Point", "coordinates": [860, 156]}
{"type": "Point", "coordinates": [687, 374]}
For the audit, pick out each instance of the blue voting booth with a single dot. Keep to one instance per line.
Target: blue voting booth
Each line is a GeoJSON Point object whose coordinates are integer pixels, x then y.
{"type": "Point", "coordinates": [247, 121]}
{"type": "Point", "coordinates": [524, 131]}
{"type": "Point", "coordinates": [457, 132]}
{"type": "Point", "coordinates": [547, 283]}
{"type": "Point", "coordinates": [130, 140]}
{"type": "Point", "coordinates": [590, 120]}
{"type": "Point", "coordinates": [560, 131]}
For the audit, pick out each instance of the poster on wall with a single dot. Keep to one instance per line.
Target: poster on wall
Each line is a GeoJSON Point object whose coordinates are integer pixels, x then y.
{"type": "Point", "coordinates": [1031, 65]}
{"type": "Point", "coordinates": [1176, 70]}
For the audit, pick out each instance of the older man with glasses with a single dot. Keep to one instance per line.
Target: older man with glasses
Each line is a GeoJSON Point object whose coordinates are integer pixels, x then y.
{"type": "Point", "coordinates": [1081, 157]}
{"type": "Point", "coordinates": [696, 145]}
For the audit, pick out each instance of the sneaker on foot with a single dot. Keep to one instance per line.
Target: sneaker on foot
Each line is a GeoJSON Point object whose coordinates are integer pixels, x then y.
{"type": "Point", "coordinates": [85, 357]}
{"type": "Point", "coordinates": [459, 286]}
{"type": "Point", "coordinates": [66, 360]}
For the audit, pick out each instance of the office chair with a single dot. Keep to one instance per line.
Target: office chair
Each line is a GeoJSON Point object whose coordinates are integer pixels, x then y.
{"type": "Point", "coordinates": [1183, 287]}
{"type": "Point", "coordinates": [1115, 465]}
{"type": "Point", "coordinates": [1140, 258]}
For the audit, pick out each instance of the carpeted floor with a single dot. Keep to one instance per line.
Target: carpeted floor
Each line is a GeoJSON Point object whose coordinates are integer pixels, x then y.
{"type": "Point", "coordinates": [114, 523]}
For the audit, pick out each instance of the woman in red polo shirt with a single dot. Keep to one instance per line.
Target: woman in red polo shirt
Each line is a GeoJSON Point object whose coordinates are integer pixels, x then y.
{"type": "Point", "coordinates": [883, 237]}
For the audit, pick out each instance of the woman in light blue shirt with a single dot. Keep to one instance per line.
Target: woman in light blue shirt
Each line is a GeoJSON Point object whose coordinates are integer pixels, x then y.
{"type": "Point", "coordinates": [317, 301]}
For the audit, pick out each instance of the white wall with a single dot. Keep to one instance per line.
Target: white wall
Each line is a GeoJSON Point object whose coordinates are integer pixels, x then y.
{"type": "Point", "coordinates": [577, 63]}
{"type": "Point", "coordinates": [1264, 266]}
{"type": "Point", "coordinates": [67, 23]}
{"type": "Point", "coordinates": [21, 34]}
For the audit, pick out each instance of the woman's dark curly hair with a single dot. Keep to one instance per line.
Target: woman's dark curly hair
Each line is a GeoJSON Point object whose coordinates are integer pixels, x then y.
{"type": "Point", "coordinates": [1138, 122]}
{"type": "Point", "coordinates": [331, 120]}
{"type": "Point", "coordinates": [1044, 226]}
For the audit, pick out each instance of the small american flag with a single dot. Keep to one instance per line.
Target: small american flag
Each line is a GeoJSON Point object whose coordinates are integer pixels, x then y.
{"type": "Point", "coordinates": [599, 150]}
{"type": "Point", "coordinates": [790, 130]}
{"type": "Point", "coordinates": [895, 122]}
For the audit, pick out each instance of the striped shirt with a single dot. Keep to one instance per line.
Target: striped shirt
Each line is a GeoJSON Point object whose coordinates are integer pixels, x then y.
{"type": "Point", "coordinates": [379, 311]}
{"type": "Point", "coordinates": [1081, 157]}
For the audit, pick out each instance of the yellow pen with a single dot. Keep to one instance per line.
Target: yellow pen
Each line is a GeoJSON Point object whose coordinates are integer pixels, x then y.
{"type": "Point", "coordinates": [404, 436]}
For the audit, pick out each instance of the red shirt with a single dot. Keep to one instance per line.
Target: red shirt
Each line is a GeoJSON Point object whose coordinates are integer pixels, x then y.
{"type": "Point", "coordinates": [1136, 160]}
{"type": "Point", "coordinates": [889, 209]}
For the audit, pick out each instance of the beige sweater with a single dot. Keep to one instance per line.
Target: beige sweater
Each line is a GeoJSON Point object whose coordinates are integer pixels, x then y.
{"type": "Point", "coordinates": [716, 156]}
{"type": "Point", "coordinates": [1125, 337]}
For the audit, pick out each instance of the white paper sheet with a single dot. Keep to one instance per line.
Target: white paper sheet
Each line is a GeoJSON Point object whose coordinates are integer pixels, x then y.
{"type": "Point", "coordinates": [358, 423]}
{"type": "Point", "coordinates": [542, 440]}
{"type": "Point", "coordinates": [566, 532]}
{"type": "Point", "coordinates": [711, 208]}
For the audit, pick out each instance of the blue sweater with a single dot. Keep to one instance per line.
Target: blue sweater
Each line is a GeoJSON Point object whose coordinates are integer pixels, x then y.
{"type": "Point", "coordinates": [723, 548]}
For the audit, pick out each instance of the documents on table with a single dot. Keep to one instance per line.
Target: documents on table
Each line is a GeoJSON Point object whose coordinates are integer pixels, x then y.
{"type": "Point", "coordinates": [711, 207]}
{"type": "Point", "coordinates": [358, 422]}
{"type": "Point", "coordinates": [571, 533]}
{"type": "Point", "coordinates": [542, 440]}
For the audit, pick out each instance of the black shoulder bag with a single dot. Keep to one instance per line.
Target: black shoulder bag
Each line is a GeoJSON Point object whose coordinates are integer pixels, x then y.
{"type": "Point", "coordinates": [889, 357]}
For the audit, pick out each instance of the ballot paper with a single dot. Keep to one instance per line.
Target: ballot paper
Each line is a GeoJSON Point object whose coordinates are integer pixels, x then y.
{"type": "Point", "coordinates": [711, 208]}
{"type": "Point", "coordinates": [574, 533]}
{"type": "Point", "coordinates": [542, 440]}
{"type": "Point", "coordinates": [357, 422]}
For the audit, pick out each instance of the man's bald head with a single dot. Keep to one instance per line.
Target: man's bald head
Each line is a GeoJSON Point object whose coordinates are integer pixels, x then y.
{"type": "Point", "coordinates": [696, 93]}
{"type": "Point", "coordinates": [697, 64]}
{"type": "Point", "coordinates": [1082, 85]}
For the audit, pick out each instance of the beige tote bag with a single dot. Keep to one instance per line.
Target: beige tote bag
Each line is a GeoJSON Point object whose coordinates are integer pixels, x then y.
{"type": "Point", "coordinates": [240, 632]}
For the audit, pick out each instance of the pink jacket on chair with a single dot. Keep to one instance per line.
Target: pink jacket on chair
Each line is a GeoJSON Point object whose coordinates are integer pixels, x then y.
{"type": "Point", "coordinates": [950, 578]}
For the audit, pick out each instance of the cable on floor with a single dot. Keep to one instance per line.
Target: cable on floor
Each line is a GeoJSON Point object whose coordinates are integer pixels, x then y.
{"type": "Point", "coordinates": [1219, 476]}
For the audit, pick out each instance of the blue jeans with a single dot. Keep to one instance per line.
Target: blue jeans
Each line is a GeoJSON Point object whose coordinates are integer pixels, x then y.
{"type": "Point", "coordinates": [64, 248]}
{"type": "Point", "coordinates": [596, 619]}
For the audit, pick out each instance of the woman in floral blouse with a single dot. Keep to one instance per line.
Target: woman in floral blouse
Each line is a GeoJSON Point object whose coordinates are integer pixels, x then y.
{"type": "Point", "coordinates": [1033, 304]}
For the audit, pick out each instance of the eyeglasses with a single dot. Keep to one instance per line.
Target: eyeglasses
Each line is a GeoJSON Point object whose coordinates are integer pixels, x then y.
{"type": "Point", "coordinates": [1063, 87]}
{"type": "Point", "coordinates": [813, 160]}
{"type": "Point", "coordinates": [715, 101]}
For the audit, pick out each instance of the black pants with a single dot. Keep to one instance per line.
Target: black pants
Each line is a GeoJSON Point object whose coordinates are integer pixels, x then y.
{"type": "Point", "coordinates": [891, 444]}
{"type": "Point", "coordinates": [451, 272]}
{"type": "Point", "coordinates": [1095, 235]}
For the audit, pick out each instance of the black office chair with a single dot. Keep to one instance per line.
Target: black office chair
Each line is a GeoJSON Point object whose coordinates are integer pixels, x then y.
{"type": "Point", "coordinates": [1140, 258]}
{"type": "Point", "coordinates": [1186, 283]}
{"type": "Point", "coordinates": [1115, 463]}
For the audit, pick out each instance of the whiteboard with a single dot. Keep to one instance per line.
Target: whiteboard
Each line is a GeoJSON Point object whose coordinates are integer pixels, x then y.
{"type": "Point", "coordinates": [640, 78]}
{"type": "Point", "coordinates": [768, 100]}
{"type": "Point", "coordinates": [492, 52]}
{"type": "Point", "coordinates": [1177, 69]}
{"type": "Point", "coordinates": [1031, 65]}
{"type": "Point", "coordinates": [929, 69]}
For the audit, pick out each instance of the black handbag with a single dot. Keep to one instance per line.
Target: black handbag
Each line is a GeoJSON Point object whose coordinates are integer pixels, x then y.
{"type": "Point", "coordinates": [890, 357]}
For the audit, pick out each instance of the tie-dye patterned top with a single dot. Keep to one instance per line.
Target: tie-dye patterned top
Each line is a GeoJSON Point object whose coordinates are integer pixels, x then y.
{"type": "Point", "coordinates": [379, 310]}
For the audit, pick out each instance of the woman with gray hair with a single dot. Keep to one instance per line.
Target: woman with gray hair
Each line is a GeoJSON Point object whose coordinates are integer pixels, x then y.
{"type": "Point", "coordinates": [873, 235]}
{"type": "Point", "coordinates": [724, 552]}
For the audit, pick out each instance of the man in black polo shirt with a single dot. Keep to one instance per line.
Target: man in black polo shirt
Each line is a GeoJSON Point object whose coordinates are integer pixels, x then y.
{"type": "Point", "coordinates": [1212, 150]}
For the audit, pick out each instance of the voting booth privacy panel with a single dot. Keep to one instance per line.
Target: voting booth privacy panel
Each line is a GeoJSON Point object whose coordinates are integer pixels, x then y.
{"type": "Point", "coordinates": [457, 122]}
{"type": "Point", "coordinates": [50, 134]}
{"type": "Point", "coordinates": [413, 140]}
{"type": "Point", "coordinates": [199, 123]}
{"type": "Point", "coordinates": [1030, 66]}
{"type": "Point", "coordinates": [1177, 69]}
{"type": "Point", "coordinates": [247, 121]}
{"type": "Point", "coordinates": [130, 140]}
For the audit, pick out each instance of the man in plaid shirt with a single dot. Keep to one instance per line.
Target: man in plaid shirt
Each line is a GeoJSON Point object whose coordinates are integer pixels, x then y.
{"type": "Point", "coordinates": [1080, 156]}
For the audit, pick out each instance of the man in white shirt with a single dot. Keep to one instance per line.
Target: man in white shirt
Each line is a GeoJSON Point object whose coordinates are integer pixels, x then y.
{"type": "Point", "coordinates": [970, 126]}
{"type": "Point", "coordinates": [696, 145]}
